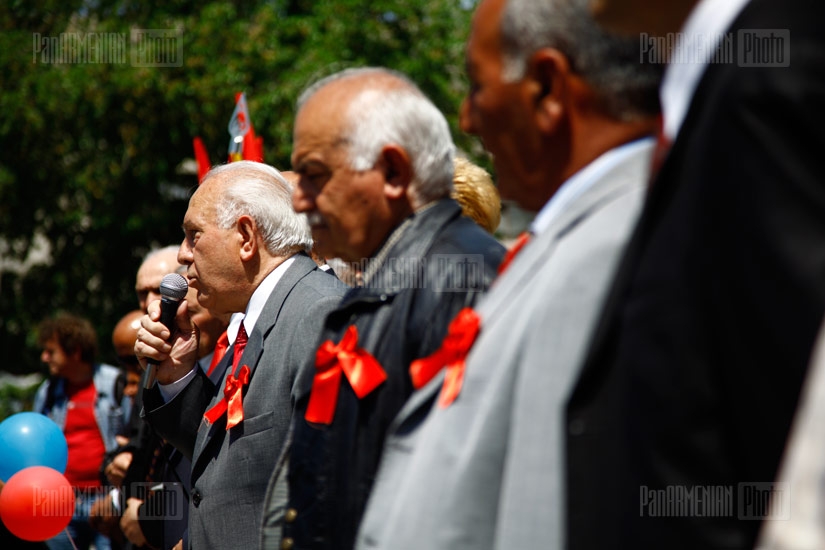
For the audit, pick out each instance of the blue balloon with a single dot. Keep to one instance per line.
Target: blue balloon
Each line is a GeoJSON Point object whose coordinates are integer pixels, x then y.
{"type": "Point", "coordinates": [31, 439]}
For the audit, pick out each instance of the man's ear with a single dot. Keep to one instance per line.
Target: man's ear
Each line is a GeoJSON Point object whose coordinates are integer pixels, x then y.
{"type": "Point", "coordinates": [548, 71]}
{"type": "Point", "coordinates": [397, 169]}
{"type": "Point", "coordinates": [246, 228]}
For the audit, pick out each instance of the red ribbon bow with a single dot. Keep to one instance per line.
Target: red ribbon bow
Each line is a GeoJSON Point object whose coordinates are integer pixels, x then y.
{"type": "Point", "coordinates": [232, 400]}
{"type": "Point", "coordinates": [362, 370]}
{"type": "Point", "coordinates": [461, 334]}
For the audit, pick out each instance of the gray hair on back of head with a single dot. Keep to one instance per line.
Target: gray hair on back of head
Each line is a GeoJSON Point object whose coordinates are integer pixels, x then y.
{"type": "Point", "coordinates": [610, 64]}
{"type": "Point", "coordinates": [401, 115]}
{"type": "Point", "coordinates": [262, 193]}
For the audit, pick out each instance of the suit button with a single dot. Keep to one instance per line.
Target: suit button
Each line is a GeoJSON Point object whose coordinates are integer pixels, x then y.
{"type": "Point", "coordinates": [287, 544]}
{"type": "Point", "coordinates": [577, 426]}
{"type": "Point", "coordinates": [196, 498]}
{"type": "Point", "coordinates": [290, 515]}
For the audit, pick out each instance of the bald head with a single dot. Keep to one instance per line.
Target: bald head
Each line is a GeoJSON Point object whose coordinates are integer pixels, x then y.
{"type": "Point", "coordinates": [255, 189]}
{"type": "Point", "coordinates": [155, 266]}
{"type": "Point", "coordinates": [238, 228]}
{"type": "Point", "coordinates": [350, 82]}
{"type": "Point", "coordinates": [125, 333]}
{"type": "Point", "coordinates": [123, 340]}
{"type": "Point", "coordinates": [369, 108]}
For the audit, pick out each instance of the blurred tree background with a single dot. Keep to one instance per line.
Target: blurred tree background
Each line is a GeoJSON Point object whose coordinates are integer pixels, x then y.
{"type": "Point", "coordinates": [92, 171]}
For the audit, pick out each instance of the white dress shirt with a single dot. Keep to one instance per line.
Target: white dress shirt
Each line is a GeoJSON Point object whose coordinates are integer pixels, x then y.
{"type": "Point", "coordinates": [700, 35]}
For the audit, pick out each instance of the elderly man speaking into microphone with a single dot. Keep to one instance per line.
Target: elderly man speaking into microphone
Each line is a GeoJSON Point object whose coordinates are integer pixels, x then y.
{"type": "Point", "coordinates": [246, 251]}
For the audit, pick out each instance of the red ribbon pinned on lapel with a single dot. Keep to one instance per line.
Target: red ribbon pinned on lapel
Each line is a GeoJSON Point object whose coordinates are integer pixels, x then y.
{"type": "Point", "coordinates": [513, 251]}
{"type": "Point", "coordinates": [220, 350]}
{"type": "Point", "coordinates": [461, 334]}
{"type": "Point", "coordinates": [232, 400]}
{"type": "Point", "coordinates": [362, 370]}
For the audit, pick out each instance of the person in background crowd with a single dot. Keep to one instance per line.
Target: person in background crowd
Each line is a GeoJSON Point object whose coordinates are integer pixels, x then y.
{"type": "Point", "coordinates": [123, 342]}
{"type": "Point", "coordinates": [153, 524]}
{"type": "Point", "coordinates": [106, 511]}
{"type": "Point", "coordinates": [143, 460]}
{"type": "Point", "coordinates": [475, 193]}
{"type": "Point", "coordinates": [158, 263]}
{"type": "Point", "coordinates": [80, 396]}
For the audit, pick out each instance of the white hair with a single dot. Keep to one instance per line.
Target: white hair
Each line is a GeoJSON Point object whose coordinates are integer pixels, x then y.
{"type": "Point", "coordinates": [608, 63]}
{"type": "Point", "coordinates": [401, 115]}
{"type": "Point", "coordinates": [171, 250]}
{"type": "Point", "coordinates": [262, 193]}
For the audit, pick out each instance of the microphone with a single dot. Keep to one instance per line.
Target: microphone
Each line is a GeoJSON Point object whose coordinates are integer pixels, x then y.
{"type": "Point", "coordinates": [173, 289]}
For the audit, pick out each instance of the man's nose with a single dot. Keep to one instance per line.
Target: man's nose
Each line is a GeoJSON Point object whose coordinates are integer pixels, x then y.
{"type": "Point", "coordinates": [302, 201]}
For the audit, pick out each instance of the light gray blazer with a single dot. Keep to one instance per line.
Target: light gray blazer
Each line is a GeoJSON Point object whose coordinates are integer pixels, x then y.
{"type": "Point", "coordinates": [230, 470]}
{"type": "Point", "coordinates": [487, 471]}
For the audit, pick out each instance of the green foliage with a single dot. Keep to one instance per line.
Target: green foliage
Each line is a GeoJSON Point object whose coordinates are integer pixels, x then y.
{"type": "Point", "coordinates": [89, 156]}
{"type": "Point", "coordinates": [15, 399]}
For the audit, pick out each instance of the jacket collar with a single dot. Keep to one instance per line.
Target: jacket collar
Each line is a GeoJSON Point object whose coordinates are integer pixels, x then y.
{"type": "Point", "coordinates": [400, 259]}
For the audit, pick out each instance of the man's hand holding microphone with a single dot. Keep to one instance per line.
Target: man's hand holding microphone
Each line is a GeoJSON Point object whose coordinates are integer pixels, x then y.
{"type": "Point", "coordinates": [167, 342]}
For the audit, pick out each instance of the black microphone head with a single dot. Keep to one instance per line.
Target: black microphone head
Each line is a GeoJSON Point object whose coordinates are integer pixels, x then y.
{"type": "Point", "coordinates": [174, 287]}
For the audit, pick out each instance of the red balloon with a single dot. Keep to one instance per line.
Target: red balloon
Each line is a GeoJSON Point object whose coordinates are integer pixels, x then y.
{"type": "Point", "coordinates": [37, 503]}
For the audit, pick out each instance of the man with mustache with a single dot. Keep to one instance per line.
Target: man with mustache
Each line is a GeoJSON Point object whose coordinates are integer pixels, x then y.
{"type": "Point", "coordinates": [375, 159]}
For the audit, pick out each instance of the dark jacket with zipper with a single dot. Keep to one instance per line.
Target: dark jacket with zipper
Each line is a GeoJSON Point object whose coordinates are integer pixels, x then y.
{"type": "Point", "coordinates": [440, 263]}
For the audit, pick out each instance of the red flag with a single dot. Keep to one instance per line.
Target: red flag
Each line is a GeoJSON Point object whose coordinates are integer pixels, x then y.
{"type": "Point", "coordinates": [243, 143]}
{"type": "Point", "coordinates": [202, 158]}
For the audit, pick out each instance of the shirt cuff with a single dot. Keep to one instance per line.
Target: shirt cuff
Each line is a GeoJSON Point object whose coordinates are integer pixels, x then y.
{"type": "Point", "coordinates": [114, 494]}
{"type": "Point", "coordinates": [170, 391]}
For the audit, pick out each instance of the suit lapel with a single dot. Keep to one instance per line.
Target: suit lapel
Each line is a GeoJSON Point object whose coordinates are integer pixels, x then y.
{"type": "Point", "coordinates": [531, 262]}
{"type": "Point", "coordinates": [301, 266]}
{"type": "Point", "coordinates": [658, 192]}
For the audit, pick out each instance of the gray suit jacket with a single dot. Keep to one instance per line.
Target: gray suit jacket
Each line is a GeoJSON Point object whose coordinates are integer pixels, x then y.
{"type": "Point", "coordinates": [486, 472]}
{"type": "Point", "coordinates": [230, 470]}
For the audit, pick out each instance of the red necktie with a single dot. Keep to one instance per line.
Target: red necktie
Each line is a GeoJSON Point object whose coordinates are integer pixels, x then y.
{"type": "Point", "coordinates": [232, 402]}
{"type": "Point", "coordinates": [220, 351]}
{"type": "Point", "coordinates": [240, 344]}
{"type": "Point", "coordinates": [362, 370]}
{"type": "Point", "coordinates": [510, 255]}
{"type": "Point", "coordinates": [460, 337]}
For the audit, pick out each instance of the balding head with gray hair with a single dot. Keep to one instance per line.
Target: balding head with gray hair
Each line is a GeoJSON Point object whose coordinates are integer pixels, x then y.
{"type": "Point", "coordinates": [390, 109]}
{"type": "Point", "coordinates": [262, 193]}
{"type": "Point", "coordinates": [627, 88]}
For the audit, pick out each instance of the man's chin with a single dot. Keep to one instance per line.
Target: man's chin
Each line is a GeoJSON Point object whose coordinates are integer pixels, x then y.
{"type": "Point", "coordinates": [204, 300]}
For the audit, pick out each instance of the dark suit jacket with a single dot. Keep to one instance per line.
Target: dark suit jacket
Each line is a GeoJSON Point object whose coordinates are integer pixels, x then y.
{"type": "Point", "coordinates": [230, 470]}
{"type": "Point", "coordinates": [442, 262]}
{"type": "Point", "coordinates": [695, 370]}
